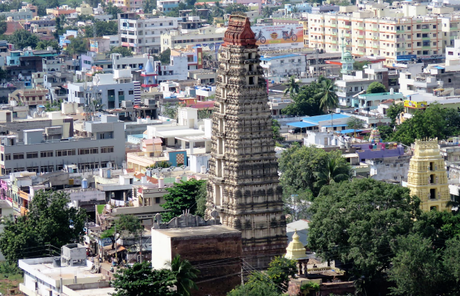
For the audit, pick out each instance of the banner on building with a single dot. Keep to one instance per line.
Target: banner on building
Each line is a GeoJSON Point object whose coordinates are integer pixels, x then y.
{"type": "Point", "coordinates": [414, 104]}
{"type": "Point", "coordinates": [281, 36]}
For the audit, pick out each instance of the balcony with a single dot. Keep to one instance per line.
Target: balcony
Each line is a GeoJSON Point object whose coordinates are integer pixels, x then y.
{"type": "Point", "coordinates": [360, 36]}
{"type": "Point", "coordinates": [360, 28]}
{"type": "Point", "coordinates": [375, 46]}
{"type": "Point", "coordinates": [375, 29]}
{"type": "Point", "coordinates": [399, 31]}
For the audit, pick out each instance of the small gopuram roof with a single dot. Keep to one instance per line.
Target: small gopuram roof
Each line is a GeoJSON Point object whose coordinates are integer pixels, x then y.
{"type": "Point", "coordinates": [239, 32]}
{"type": "Point", "coordinates": [295, 250]}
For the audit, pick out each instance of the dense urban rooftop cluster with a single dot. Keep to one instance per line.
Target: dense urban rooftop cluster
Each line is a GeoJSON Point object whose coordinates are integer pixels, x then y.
{"type": "Point", "coordinates": [201, 142]}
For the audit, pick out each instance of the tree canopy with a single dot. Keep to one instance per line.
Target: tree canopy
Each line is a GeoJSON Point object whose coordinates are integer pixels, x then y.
{"type": "Point", "coordinates": [102, 28]}
{"type": "Point", "coordinates": [124, 51]}
{"type": "Point", "coordinates": [50, 221]}
{"type": "Point", "coordinates": [182, 196]}
{"type": "Point", "coordinates": [394, 111]}
{"type": "Point", "coordinates": [376, 87]}
{"type": "Point", "coordinates": [434, 122]}
{"type": "Point", "coordinates": [185, 274]}
{"type": "Point", "coordinates": [313, 99]}
{"type": "Point", "coordinates": [43, 44]}
{"type": "Point", "coordinates": [165, 56]}
{"type": "Point", "coordinates": [23, 38]}
{"type": "Point", "coordinates": [122, 226]}
{"type": "Point", "coordinates": [309, 168]}
{"type": "Point", "coordinates": [356, 221]}
{"type": "Point", "coordinates": [141, 279]}
{"type": "Point", "coordinates": [77, 45]}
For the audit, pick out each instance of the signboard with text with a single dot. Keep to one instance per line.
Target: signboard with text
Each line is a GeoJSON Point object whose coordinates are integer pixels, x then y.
{"type": "Point", "coordinates": [414, 104]}
{"type": "Point", "coordinates": [281, 36]}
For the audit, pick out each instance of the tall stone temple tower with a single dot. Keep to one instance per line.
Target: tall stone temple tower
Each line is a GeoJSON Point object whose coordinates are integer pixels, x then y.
{"type": "Point", "coordinates": [427, 177]}
{"type": "Point", "coordinates": [243, 179]}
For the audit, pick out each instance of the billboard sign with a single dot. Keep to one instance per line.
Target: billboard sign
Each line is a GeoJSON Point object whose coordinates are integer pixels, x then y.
{"type": "Point", "coordinates": [281, 36]}
{"type": "Point", "coordinates": [414, 104]}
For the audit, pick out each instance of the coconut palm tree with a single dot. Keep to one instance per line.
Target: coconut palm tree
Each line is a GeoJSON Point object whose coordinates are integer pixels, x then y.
{"type": "Point", "coordinates": [327, 96]}
{"type": "Point", "coordinates": [185, 274]}
{"type": "Point", "coordinates": [292, 87]}
{"type": "Point", "coordinates": [335, 170]}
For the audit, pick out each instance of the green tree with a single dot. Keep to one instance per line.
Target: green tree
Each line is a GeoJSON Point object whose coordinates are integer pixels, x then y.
{"type": "Point", "coordinates": [451, 262]}
{"type": "Point", "coordinates": [112, 10]}
{"type": "Point", "coordinates": [43, 44]}
{"type": "Point", "coordinates": [292, 87]}
{"type": "Point", "coordinates": [327, 96]}
{"type": "Point", "coordinates": [305, 102]}
{"type": "Point", "coordinates": [232, 8]}
{"type": "Point", "coordinates": [201, 200]}
{"type": "Point", "coordinates": [149, 6]}
{"type": "Point", "coordinates": [50, 221]}
{"type": "Point", "coordinates": [124, 51]}
{"type": "Point", "coordinates": [124, 225]}
{"type": "Point", "coordinates": [185, 274]}
{"type": "Point", "coordinates": [258, 284]}
{"type": "Point", "coordinates": [355, 123]}
{"type": "Point", "coordinates": [102, 28]}
{"type": "Point", "coordinates": [356, 221]}
{"type": "Point", "coordinates": [375, 88]}
{"type": "Point", "coordinates": [434, 122]}
{"type": "Point", "coordinates": [276, 130]}
{"type": "Point", "coordinates": [141, 279]}
{"type": "Point", "coordinates": [22, 39]}
{"type": "Point", "coordinates": [335, 170]}
{"type": "Point", "coordinates": [301, 167]}
{"type": "Point", "coordinates": [170, 110]}
{"type": "Point", "coordinates": [3, 25]}
{"type": "Point", "coordinates": [280, 270]}
{"type": "Point", "coordinates": [386, 132]}
{"type": "Point", "coordinates": [182, 196]}
{"type": "Point", "coordinates": [267, 11]}
{"type": "Point", "coordinates": [416, 267]}
{"type": "Point", "coordinates": [77, 46]}
{"type": "Point", "coordinates": [394, 111]}
{"type": "Point", "coordinates": [165, 56]}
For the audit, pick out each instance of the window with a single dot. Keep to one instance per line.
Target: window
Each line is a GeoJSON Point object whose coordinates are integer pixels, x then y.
{"type": "Point", "coordinates": [449, 80]}
{"type": "Point", "coordinates": [432, 193]}
{"type": "Point", "coordinates": [65, 152]}
{"type": "Point", "coordinates": [108, 149]}
{"type": "Point", "coordinates": [121, 93]}
{"type": "Point", "coordinates": [131, 92]}
{"type": "Point", "coordinates": [46, 153]}
{"type": "Point", "coordinates": [32, 155]}
{"type": "Point", "coordinates": [157, 200]}
{"type": "Point", "coordinates": [85, 151]}
{"type": "Point", "coordinates": [251, 80]}
{"type": "Point", "coordinates": [7, 156]}
{"type": "Point", "coordinates": [18, 155]}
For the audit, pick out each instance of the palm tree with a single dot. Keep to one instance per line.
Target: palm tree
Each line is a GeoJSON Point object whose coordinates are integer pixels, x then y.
{"type": "Point", "coordinates": [185, 274]}
{"type": "Point", "coordinates": [292, 86]}
{"type": "Point", "coordinates": [335, 170]}
{"type": "Point", "coordinates": [327, 96]}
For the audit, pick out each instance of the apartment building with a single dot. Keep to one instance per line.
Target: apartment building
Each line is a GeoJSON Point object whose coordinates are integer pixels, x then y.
{"type": "Point", "coordinates": [109, 89]}
{"type": "Point", "coordinates": [143, 35]}
{"type": "Point", "coordinates": [211, 37]}
{"type": "Point", "coordinates": [396, 34]}
{"type": "Point", "coordinates": [45, 149]}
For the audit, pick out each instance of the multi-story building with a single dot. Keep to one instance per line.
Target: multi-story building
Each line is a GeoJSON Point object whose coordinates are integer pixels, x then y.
{"type": "Point", "coordinates": [166, 6]}
{"type": "Point", "coordinates": [28, 97]}
{"type": "Point", "coordinates": [21, 14]}
{"type": "Point", "coordinates": [129, 4]}
{"type": "Point", "coordinates": [393, 34]}
{"type": "Point", "coordinates": [284, 65]}
{"type": "Point", "coordinates": [143, 35]}
{"type": "Point", "coordinates": [45, 150]}
{"type": "Point", "coordinates": [109, 89]}
{"type": "Point", "coordinates": [206, 36]}
{"type": "Point", "coordinates": [243, 180]}
{"type": "Point", "coordinates": [427, 176]}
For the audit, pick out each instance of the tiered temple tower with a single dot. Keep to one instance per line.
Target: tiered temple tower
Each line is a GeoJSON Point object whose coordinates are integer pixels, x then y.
{"type": "Point", "coordinates": [427, 177]}
{"type": "Point", "coordinates": [243, 181]}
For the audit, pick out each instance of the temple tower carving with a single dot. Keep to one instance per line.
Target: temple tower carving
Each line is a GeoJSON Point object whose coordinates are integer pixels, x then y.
{"type": "Point", "coordinates": [243, 181]}
{"type": "Point", "coordinates": [427, 177]}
